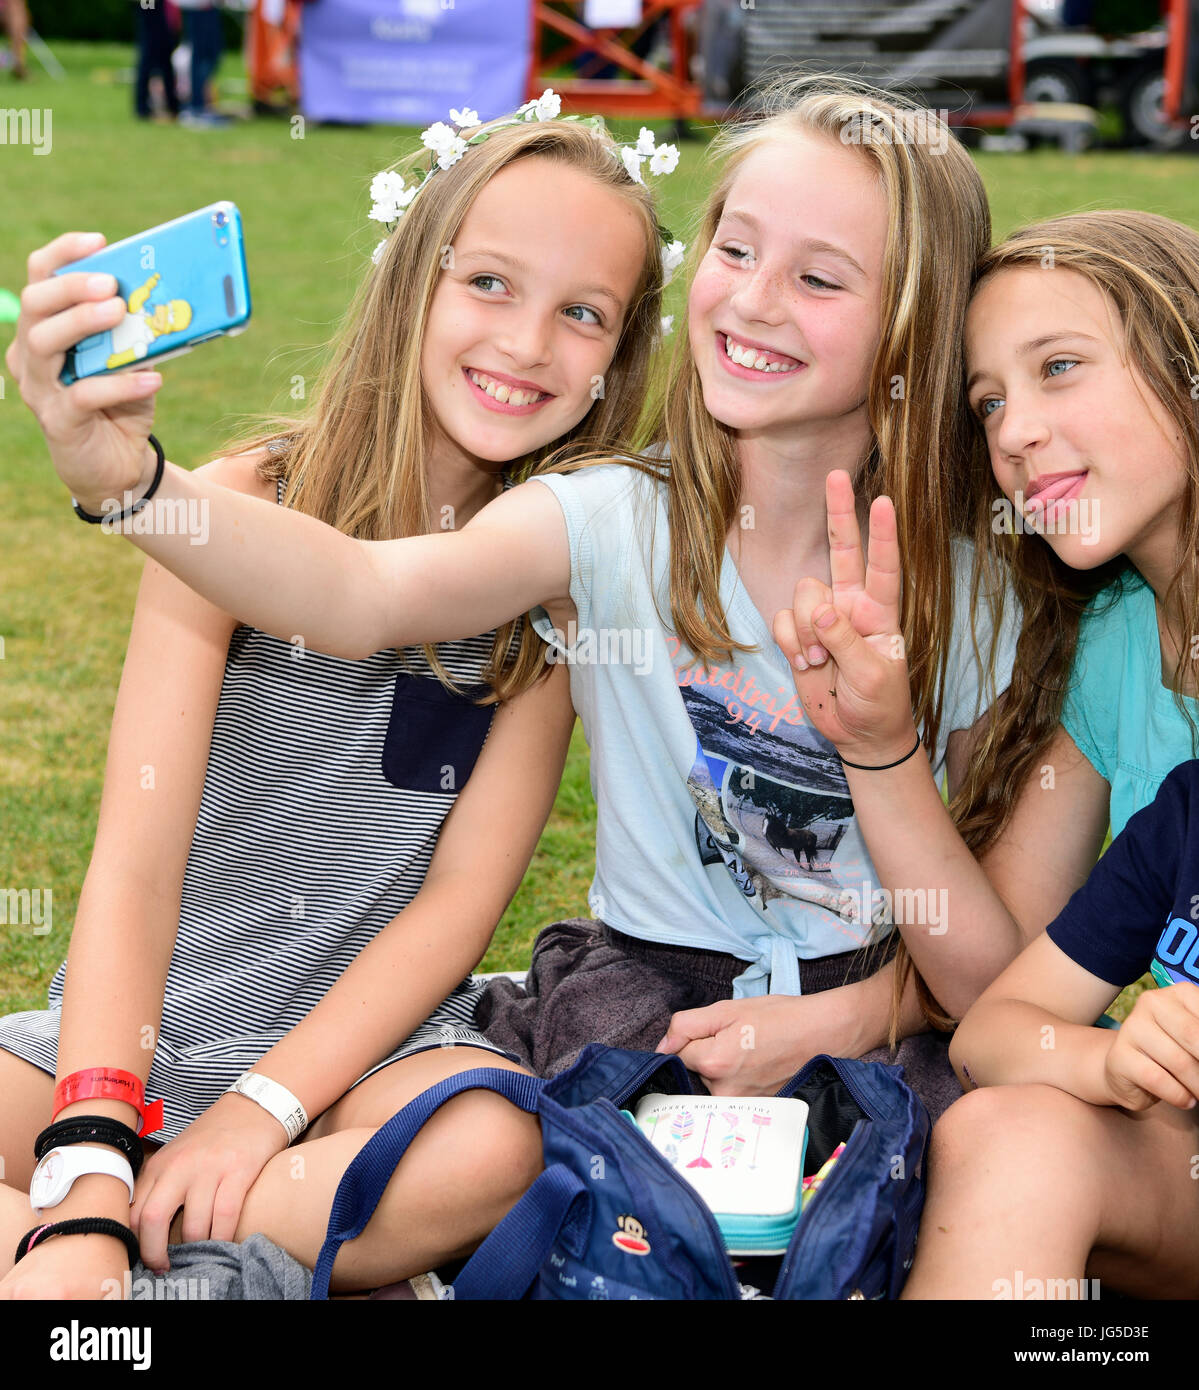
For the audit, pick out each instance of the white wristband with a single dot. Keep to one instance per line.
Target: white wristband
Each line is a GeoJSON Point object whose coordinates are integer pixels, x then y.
{"type": "Point", "coordinates": [276, 1100]}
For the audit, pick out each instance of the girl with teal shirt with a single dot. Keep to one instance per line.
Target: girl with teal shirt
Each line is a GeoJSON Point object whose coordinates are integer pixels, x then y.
{"type": "Point", "coordinates": [1072, 1159]}
{"type": "Point", "coordinates": [1084, 374]}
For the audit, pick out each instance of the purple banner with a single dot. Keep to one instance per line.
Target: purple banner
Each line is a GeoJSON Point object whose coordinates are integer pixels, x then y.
{"type": "Point", "coordinates": [406, 62]}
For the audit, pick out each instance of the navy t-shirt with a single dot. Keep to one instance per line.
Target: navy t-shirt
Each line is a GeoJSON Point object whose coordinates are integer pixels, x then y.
{"type": "Point", "coordinates": [1140, 904]}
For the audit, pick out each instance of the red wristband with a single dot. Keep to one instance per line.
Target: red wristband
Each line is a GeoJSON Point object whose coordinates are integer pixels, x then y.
{"type": "Point", "coordinates": [107, 1083]}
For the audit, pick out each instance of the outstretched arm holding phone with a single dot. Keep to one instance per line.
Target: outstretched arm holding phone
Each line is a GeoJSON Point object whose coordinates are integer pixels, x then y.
{"type": "Point", "coordinates": [280, 571]}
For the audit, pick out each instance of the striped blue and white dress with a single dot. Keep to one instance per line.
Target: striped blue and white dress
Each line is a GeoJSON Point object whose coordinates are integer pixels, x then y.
{"type": "Point", "coordinates": [327, 784]}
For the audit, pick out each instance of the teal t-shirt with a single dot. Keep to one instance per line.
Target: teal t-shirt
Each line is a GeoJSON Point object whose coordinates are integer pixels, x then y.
{"type": "Point", "coordinates": [1124, 721]}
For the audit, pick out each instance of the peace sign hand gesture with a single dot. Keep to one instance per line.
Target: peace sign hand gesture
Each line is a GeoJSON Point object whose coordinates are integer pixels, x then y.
{"type": "Point", "coordinates": [856, 691]}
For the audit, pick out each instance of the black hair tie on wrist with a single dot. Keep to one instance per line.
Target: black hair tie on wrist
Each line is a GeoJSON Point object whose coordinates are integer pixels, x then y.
{"type": "Point", "coordinates": [136, 506]}
{"type": "Point", "coordinates": [80, 1226]}
{"type": "Point", "coordinates": [865, 767]}
{"type": "Point", "coordinates": [91, 1129]}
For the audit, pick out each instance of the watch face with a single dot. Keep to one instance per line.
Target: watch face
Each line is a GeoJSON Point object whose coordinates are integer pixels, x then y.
{"type": "Point", "coordinates": [43, 1190]}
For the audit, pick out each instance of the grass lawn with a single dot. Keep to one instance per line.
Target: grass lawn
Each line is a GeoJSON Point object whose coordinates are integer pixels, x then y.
{"type": "Point", "coordinates": [66, 593]}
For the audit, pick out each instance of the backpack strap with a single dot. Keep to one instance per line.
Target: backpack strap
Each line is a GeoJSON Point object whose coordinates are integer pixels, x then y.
{"type": "Point", "coordinates": [508, 1261]}
{"type": "Point", "coordinates": [363, 1182]}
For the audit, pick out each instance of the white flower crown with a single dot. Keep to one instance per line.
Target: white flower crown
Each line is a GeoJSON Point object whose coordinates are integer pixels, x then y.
{"type": "Point", "coordinates": [391, 195]}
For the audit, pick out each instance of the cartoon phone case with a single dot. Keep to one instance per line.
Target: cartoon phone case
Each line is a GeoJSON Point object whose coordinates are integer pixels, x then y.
{"type": "Point", "coordinates": [183, 283]}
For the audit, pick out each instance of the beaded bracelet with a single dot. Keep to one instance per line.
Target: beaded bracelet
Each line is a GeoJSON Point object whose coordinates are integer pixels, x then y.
{"type": "Point", "coordinates": [141, 501]}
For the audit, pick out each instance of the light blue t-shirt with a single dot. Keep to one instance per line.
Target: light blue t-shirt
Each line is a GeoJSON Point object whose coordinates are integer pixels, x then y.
{"type": "Point", "coordinates": [724, 818]}
{"type": "Point", "coordinates": [1124, 721]}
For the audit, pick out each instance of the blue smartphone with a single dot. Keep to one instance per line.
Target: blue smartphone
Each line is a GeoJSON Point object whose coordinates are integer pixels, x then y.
{"type": "Point", "coordinates": [183, 283]}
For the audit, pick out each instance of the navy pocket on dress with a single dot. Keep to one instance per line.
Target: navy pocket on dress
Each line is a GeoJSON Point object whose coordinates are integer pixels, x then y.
{"type": "Point", "coordinates": [433, 736]}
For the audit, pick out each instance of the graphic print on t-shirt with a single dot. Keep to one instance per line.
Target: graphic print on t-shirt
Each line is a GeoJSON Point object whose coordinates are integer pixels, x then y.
{"type": "Point", "coordinates": [772, 803]}
{"type": "Point", "coordinates": [1176, 958]}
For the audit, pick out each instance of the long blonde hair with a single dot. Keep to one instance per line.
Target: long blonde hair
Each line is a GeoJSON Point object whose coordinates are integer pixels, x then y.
{"type": "Point", "coordinates": [1148, 267]}
{"type": "Point", "coordinates": [356, 458]}
{"type": "Point", "coordinates": [938, 226]}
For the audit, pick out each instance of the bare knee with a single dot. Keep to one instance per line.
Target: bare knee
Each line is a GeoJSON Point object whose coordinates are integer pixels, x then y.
{"type": "Point", "coordinates": [1016, 1123]}
{"type": "Point", "coordinates": [488, 1145]}
{"type": "Point", "coordinates": [1004, 1156]}
{"type": "Point", "coordinates": [465, 1170]}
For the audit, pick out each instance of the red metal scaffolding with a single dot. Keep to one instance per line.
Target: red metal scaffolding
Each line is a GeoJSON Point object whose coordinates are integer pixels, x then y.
{"type": "Point", "coordinates": [640, 89]}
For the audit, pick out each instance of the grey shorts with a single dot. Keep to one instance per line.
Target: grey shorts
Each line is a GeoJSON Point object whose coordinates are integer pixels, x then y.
{"type": "Point", "coordinates": [590, 983]}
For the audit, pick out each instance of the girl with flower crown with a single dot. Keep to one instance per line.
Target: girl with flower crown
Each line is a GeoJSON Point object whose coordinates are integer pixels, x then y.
{"type": "Point", "coordinates": [750, 909]}
{"type": "Point", "coordinates": [329, 843]}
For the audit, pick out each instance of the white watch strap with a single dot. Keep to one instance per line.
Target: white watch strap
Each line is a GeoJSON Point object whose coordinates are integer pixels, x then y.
{"type": "Point", "coordinates": [58, 1170]}
{"type": "Point", "coordinates": [275, 1099]}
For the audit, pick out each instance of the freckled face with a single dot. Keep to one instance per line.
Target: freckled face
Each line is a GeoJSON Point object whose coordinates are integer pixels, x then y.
{"type": "Point", "coordinates": [784, 307]}
{"type": "Point", "coordinates": [527, 314]}
{"type": "Point", "coordinates": [1066, 417]}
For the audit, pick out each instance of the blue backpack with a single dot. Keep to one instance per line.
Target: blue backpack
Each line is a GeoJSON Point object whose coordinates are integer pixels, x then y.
{"type": "Point", "coordinates": [609, 1218]}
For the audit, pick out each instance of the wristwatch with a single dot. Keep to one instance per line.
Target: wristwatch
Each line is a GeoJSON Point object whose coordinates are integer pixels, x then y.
{"type": "Point", "coordinates": [55, 1175]}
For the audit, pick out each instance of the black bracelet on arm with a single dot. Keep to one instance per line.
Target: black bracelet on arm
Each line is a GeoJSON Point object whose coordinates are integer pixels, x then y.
{"type": "Point", "coordinates": [91, 1129]}
{"type": "Point", "coordinates": [83, 1226]}
{"type": "Point", "coordinates": [865, 767]}
{"type": "Point", "coordinates": [136, 506]}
